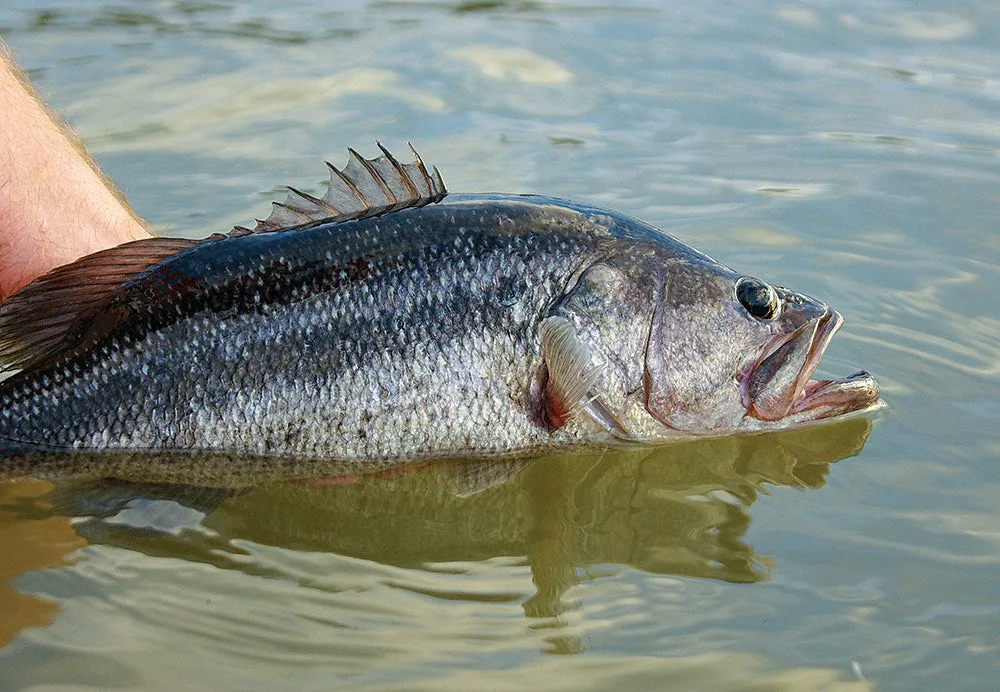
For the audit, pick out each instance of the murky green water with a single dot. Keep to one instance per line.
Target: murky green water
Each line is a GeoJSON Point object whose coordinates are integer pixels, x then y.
{"type": "Point", "coordinates": [846, 149]}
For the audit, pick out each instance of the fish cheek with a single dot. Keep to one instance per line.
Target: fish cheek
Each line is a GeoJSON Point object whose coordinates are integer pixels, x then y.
{"type": "Point", "coordinates": [692, 355]}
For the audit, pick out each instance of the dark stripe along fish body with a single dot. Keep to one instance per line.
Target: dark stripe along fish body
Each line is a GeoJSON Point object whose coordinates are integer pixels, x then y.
{"type": "Point", "coordinates": [404, 328]}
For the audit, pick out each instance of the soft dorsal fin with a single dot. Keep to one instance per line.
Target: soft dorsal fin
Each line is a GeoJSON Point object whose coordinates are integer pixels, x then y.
{"type": "Point", "coordinates": [68, 309]}
{"type": "Point", "coordinates": [363, 188]}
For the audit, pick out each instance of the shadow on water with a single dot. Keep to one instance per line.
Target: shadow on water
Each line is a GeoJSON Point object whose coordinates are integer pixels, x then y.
{"type": "Point", "coordinates": [680, 509]}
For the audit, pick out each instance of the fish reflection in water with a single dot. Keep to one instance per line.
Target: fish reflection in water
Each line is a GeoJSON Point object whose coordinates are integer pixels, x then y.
{"type": "Point", "coordinates": [680, 509]}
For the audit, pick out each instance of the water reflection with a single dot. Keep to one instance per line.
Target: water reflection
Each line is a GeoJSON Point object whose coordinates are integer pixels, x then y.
{"type": "Point", "coordinates": [30, 538]}
{"type": "Point", "coordinates": [682, 509]}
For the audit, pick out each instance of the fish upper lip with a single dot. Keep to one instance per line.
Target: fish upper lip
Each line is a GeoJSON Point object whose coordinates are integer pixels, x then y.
{"type": "Point", "coordinates": [803, 395]}
{"type": "Point", "coordinates": [829, 324]}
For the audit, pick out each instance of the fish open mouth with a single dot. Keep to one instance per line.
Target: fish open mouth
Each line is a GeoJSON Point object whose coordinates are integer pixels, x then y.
{"type": "Point", "coordinates": [777, 384]}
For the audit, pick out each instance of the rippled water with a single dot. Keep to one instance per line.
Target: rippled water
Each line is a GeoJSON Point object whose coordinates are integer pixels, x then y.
{"type": "Point", "coordinates": [846, 149]}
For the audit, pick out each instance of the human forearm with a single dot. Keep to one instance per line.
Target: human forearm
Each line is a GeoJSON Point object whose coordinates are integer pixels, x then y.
{"type": "Point", "coordinates": [55, 205]}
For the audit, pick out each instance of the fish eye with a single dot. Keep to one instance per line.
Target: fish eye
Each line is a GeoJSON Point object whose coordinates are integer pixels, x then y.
{"type": "Point", "coordinates": [759, 299]}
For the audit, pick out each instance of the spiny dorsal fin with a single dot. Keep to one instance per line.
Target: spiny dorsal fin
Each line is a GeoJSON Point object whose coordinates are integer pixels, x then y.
{"type": "Point", "coordinates": [68, 309]}
{"type": "Point", "coordinates": [364, 188]}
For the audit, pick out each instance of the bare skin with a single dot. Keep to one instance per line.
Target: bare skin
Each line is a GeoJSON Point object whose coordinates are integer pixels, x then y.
{"type": "Point", "coordinates": [55, 204]}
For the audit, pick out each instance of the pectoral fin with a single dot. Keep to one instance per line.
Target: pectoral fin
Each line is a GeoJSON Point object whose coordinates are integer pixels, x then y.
{"type": "Point", "coordinates": [571, 372]}
{"type": "Point", "coordinates": [572, 376]}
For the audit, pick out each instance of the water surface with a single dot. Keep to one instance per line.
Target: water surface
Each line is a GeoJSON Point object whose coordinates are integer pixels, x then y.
{"type": "Point", "coordinates": [846, 149]}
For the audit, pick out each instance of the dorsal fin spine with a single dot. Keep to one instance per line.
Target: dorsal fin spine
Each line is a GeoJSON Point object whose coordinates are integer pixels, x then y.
{"type": "Point", "coordinates": [428, 181]}
{"type": "Point", "coordinates": [292, 210]}
{"type": "Point", "coordinates": [315, 200]}
{"type": "Point", "coordinates": [410, 187]}
{"type": "Point", "coordinates": [438, 184]}
{"type": "Point", "coordinates": [334, 171]}
{"type": "Point", "coordinates": [376, 176]}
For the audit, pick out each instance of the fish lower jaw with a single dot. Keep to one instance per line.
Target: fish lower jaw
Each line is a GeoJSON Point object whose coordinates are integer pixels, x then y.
{"type": "Point", "coordinates": [838, 396]}
{"type": "Point", "coordinates": [821, 399]}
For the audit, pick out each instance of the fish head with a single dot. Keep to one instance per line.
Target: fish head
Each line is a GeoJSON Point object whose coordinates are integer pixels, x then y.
{"type": "Point", "coordinates": [727, 352]}
{"type": "Point", "coordinates": [659, 342]}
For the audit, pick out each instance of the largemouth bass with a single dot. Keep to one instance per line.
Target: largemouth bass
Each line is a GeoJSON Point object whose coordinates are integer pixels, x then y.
{"type": "Point", "coordinates": [390, 320]}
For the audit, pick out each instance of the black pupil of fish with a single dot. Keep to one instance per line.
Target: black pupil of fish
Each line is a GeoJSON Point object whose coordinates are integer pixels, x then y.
{"type": "Point", "coordinates": [757, 297]}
